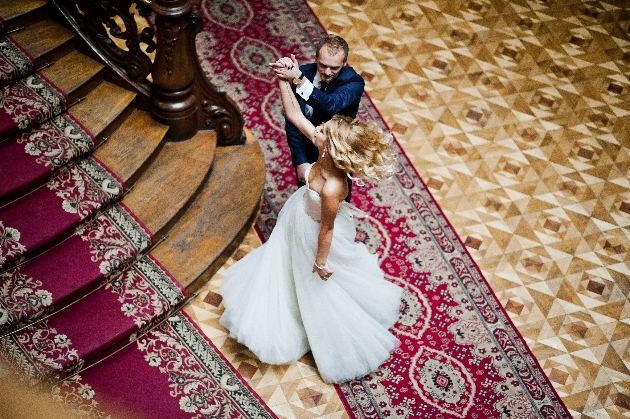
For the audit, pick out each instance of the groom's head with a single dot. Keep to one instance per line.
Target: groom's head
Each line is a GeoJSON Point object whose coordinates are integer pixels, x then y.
{"type": "Point", "coordinates": [332, 54]}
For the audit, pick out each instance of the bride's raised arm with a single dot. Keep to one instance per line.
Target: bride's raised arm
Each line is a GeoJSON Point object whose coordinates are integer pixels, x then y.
{"type": "Point", "coordinates": [289, 102]}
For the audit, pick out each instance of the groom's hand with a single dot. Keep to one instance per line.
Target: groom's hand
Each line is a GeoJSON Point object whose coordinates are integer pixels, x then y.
{"type": "Point", "coordinates": [301, 171]}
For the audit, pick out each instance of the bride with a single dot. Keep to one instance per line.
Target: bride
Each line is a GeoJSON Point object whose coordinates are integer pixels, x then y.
{"type": "Point", "coordinates": [311, 286]}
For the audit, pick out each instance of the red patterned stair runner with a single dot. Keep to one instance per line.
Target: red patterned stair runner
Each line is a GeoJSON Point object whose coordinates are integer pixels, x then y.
{"type": "Point", "coordinates": [99, 248]}
{"type": "Point", "coordinates": [15, 62]}
{"type": "Point", "coordinates": [130, 303]}
{"type": "Point", "coordinates": [44, 215]}
{"type": "Point", "coordinates": [97, 290]}
{"type": "Point", "coordinates": [28, 159]}
{"type": "Point", "coordinates": [28, 102]}
{"type": "Point", "coordinates": [171, 372]}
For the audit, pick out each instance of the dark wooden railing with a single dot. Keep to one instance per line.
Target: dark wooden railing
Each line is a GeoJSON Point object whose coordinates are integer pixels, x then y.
{"type": "Point", "coordinates": [179, 93]}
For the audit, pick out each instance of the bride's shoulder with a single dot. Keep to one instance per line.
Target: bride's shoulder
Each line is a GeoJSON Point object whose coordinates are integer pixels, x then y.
{"type": "Point", "coordinates": [335, 187]}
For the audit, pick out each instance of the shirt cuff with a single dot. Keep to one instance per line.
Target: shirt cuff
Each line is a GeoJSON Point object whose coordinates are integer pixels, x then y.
{"type": "Point", "coordinates": [305, 89]}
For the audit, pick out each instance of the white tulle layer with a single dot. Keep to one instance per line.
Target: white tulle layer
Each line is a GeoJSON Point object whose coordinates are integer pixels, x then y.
{"type": "Point", "coordinates": [279, 309]}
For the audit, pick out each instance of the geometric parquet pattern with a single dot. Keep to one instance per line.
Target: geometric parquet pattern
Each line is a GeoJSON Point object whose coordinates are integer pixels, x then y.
{"type": "Point", "coordinates": [516, 114]}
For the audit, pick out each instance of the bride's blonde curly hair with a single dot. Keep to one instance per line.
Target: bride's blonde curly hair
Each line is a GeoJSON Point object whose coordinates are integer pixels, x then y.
{"type": "Point", "coordinates": [360, 148]}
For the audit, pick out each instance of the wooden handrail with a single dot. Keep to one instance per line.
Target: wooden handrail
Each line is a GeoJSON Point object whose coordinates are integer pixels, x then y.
{"type": "Point", "coordinates": [181, 95]}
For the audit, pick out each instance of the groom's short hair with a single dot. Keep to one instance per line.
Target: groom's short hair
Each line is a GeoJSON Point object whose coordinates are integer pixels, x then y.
{"type": "Point", "coordinates": [334, 43]}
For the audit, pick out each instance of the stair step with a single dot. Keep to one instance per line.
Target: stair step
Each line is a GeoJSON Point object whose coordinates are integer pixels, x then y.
{"type": "Point", "coordinates": [133, 301]}
{"type": "Point", "coordinates": [75, 74]}
{"type": "Point", "coordinates": [71, 269]}
{"type": "Point", "coordinates": [133, 146]}
{"type": "Point", "coordinates": [27, 160]}
{"type": "Point", "coordinates": [46, 41]}
{"type": "Point", "coordinates": [104, 109]}
{"type": "Point", "coordinates": [51, 212]}
{"type": "Point", "coordinates": [217, 222]}
{"type": "Point", "coordinates": [167, 188]}
{"type": "Point", "coordinates": [20, 13]}
{"type": "Point", "coordinates": [15, 63]}
{"type": "Point", "coordinates": [44, 102]}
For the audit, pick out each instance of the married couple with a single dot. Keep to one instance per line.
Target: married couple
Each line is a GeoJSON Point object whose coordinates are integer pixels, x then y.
{"type": "Point", "coordinates": [311, 287]}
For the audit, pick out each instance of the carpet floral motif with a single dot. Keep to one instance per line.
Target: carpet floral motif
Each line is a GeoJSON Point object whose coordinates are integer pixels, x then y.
{"type": "Point", "coordinates": [17, 358]}
{"type": "Point", "coordinates": [460, 356]}
{"type": "Point", "coordinates": [56, 142]}
{"type": "Point", "coordinates": [10, 246]}
{"type": "Point", "coordinates": [201, 381]}
{"type": "Point", "coordinates": [15, 63]}
{"type": "Point", "coordinates": [115, 237]}
{"type": "Point", "coordinates": [49, 352]}
{"type": "Point", "coordinates": [28, 102]}
{"type": "Point", "coordinates": [235, 15]}
{"type": "Point", "coordinates": [73, 392]}
{"type": "Point", "coordinates": [145, 292]}
{"type": "Point", "coordinates": [85, 187]}
{"type": "Point", "coordinates": [21, 297]}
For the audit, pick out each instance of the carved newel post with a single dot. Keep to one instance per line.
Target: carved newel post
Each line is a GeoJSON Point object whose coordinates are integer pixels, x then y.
{"type": "Point", "coordinates": [173, 102]}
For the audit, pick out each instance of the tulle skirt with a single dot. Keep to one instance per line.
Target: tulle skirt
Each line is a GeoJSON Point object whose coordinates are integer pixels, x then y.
{"type": "Point", "coordinates": [277, 307]}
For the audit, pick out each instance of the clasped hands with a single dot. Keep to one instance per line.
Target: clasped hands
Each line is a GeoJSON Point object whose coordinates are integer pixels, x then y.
{"type": "Point", "coordinates": [286, 68]}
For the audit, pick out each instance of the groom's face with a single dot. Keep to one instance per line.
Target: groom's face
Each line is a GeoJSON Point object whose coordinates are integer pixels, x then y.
{"type": "Point", "coordinates": [329, 65]}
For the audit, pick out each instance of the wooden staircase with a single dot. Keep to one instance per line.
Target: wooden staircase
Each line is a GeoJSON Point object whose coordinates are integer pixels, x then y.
{"type": "Point", "coordinates": [195, 199]}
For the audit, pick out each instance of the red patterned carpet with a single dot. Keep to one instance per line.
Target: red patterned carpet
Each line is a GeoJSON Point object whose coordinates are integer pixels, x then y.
{"type": "Point", "coordinates": [460, 357]}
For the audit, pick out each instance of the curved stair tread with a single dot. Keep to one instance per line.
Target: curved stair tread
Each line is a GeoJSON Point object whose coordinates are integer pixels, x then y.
{"type": "Point", "coordinates": [17, 12]}
{"type": "Point", "coordinates": [166, 189]}
{"type": "Point", "coordinates": [75, 74]}
{"type": "Point", "coordinates": [103, 109]}
{"type": "Point", "coordinates": [46, 41]}
{"type": "Point", "coordinates": [217, 222]}
{"type": "Point", "coordinates": [133, 146]}
{"type": "Point", "coordinates": [65, 143]}
{"type": "Point", "coordinates": [29, 159]}
{"type": "Point", "coordinates": [51, 212]}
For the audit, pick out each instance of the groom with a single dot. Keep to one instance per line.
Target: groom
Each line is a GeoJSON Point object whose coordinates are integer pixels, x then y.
{"type": "Point", "coordinates": [323, 88]}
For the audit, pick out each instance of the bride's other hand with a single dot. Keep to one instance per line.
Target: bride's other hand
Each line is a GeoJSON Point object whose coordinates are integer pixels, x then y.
{"type": "Point", "coordinates": [324, 273]}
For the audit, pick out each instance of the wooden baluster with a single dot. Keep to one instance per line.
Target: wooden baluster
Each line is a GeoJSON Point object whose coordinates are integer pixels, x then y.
{"type": "Point", "coordinates": [173, 102]}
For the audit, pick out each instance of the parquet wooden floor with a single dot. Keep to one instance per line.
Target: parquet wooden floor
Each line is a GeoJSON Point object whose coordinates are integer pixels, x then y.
{"type": "Point", "coordinates": [516, 116]}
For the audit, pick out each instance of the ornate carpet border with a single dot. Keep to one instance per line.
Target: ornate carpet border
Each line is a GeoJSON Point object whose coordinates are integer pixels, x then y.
{"type": "Point", "coordinates": [216, 365]}
{"type": "Point", "coordinates": [15, 61]}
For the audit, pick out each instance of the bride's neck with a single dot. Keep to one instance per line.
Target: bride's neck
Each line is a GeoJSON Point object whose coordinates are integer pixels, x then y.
{"type": "Point", "coordinates": [328, 166]}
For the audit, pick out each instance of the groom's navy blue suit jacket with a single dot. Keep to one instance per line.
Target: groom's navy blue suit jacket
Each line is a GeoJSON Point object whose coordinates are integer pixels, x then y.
{"type": "Point", "coordinates": [341, 97]}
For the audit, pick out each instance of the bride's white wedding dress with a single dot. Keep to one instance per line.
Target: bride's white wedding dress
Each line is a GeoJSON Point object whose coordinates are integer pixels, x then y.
{"type": "Point", "coordinates": [278, 308]}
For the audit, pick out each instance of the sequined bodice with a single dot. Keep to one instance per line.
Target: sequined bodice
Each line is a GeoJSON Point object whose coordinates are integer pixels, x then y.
{"type": "Point", "coordinates": [312, 202]}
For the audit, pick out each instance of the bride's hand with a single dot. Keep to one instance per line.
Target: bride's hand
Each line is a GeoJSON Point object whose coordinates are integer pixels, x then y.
{"type": "Point", "coordinates": [287, 62]}
{"type": "Point", "coordinates": [323, 273]}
